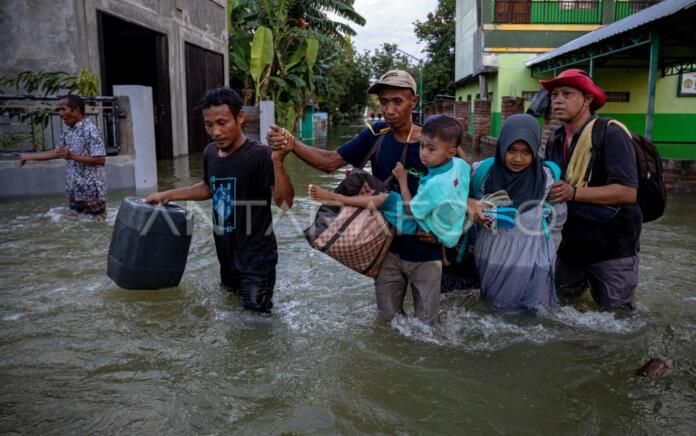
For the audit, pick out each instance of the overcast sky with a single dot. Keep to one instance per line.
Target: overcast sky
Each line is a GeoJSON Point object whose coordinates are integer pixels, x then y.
{"type": "Point", "coordinates": [391, 21]}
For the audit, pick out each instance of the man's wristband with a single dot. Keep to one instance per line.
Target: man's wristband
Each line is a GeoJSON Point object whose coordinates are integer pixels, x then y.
{"type": "Point", "coordinates": [575, 190]}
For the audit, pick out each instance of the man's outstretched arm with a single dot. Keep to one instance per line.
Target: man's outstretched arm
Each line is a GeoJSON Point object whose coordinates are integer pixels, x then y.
{"type": "Point", "coordinates": [43, 155]}
{"type": "Point", "coordinates": [197, 192]}
{"type": "Point", "coordinates": [323, 160]}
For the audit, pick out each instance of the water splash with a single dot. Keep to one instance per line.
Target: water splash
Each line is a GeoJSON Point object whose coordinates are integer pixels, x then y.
{"type": "Point", "coordinates": [592, 321]}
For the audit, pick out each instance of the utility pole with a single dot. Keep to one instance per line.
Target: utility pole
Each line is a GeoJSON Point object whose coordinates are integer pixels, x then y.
{"type": "Point", "coordinates": [420, 84]}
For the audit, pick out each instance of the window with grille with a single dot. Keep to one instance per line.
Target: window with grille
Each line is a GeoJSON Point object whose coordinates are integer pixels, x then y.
{"type": "Point", "coordinates": [618, 97]}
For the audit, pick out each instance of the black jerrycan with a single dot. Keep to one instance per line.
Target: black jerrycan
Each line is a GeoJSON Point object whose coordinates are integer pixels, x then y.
{"type": "Point", "coordinates": [149, 245]}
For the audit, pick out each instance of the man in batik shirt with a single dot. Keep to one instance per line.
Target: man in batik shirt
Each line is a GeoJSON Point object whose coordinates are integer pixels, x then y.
{"type": "Point", "coordinates": [82, 146]}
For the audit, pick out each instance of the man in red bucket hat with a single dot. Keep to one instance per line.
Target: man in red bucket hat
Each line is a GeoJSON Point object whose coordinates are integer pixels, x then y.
{"type": "Point", "coordinates": [600, 241]}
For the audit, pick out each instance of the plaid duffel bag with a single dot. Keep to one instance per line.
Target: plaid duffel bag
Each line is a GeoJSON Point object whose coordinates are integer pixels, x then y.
{"type": "Point", "coordinates": [357, 238]}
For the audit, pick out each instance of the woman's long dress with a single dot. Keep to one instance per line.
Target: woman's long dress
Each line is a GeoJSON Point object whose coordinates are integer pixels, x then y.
{"type": "Point", "coordinates": [516, 265]}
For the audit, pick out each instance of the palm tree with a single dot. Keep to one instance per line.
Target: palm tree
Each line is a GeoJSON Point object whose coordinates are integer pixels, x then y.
{"type": "Point", "coordinates": [304, 14]}
{"type": "Point", "coordinates": [314, 14]}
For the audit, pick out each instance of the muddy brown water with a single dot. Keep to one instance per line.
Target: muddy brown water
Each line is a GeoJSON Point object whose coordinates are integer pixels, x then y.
{"type": "Point", "coordinates": [78, 355]}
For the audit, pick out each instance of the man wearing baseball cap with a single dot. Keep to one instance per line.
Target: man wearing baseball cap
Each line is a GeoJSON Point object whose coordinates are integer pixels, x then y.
{"type": "Point", "coordinates": [411, 259]}
{"type": "Point", "coordinates": [600, 241]}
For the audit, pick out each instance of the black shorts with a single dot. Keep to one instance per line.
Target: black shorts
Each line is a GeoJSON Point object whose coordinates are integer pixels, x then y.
{"type": "Point", "coordinates": [255, 290]}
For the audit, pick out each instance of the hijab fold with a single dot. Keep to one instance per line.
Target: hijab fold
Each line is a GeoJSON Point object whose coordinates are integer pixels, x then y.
{"type": "Point", "coordinates": [529, 184]}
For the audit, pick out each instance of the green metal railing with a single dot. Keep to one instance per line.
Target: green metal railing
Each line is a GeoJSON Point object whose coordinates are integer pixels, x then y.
{"type": "Point", "coordinates": [624, 8]}
{"type": "Point", "coordinates": [547, 11]}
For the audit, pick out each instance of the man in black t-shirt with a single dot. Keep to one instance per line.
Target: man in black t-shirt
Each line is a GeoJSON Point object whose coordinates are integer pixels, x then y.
{"type": "Point", "coordinates": [240, 176]}
{"type": "Point", "coordinates": [600, 241]}
{"type": "Point", "coordinates": [414, 260]}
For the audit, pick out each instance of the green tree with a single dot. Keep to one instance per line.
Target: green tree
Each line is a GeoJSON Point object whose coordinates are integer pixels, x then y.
{"type": "Point", "coordinates": [438, 34]}
{"type": "Point", "coordinates": [346, 83]}
{"type": "Point", "coordinates": [43, 83]}
{"type": "Point", "coordinates": [389, 58]}
{"type": "Point", "coordinates": [275, 46]}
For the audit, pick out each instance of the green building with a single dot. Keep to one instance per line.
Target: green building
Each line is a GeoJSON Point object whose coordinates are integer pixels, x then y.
{"type": "Point", "coordinates": [641, 53]}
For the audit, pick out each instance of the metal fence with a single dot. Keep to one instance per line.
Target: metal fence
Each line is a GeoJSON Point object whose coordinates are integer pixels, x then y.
{"type": "Point", "coordinates": [547, 11]}
{"type": "Point", "coordinates": [623, 9]}
{"type": "Point", "coordinates": [22, 132]}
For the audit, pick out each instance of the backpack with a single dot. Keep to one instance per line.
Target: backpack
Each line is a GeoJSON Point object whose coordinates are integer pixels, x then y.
{"type": "Point", "coordinates": [652, 196]}
{"type": "Point", "coordinates": [540, 103]}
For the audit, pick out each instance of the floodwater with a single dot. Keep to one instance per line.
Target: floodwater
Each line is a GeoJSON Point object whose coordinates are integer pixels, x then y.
{"type": "Point", "coordinates": [78, 355]}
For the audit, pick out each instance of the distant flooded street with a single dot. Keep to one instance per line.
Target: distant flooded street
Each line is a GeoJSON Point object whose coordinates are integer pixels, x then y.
{"type": "Point", "coordinates": [78, 355]}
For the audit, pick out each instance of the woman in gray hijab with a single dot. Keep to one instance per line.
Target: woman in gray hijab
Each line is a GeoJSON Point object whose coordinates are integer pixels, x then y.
{"type": "Point", "coordinates": [514, 252]}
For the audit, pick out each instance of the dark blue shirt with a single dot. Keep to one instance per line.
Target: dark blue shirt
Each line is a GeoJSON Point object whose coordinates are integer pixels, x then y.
{"type": "Point", "coordinates": [408, 247]}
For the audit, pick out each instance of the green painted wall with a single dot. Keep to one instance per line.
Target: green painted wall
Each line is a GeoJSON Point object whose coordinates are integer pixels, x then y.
{"type": "Point", "coordinates": [674, 126]}
{"type": "Point", "coordinates": [513, 75]}
{"type": "Point", "coordinates": [470, 89]}
{"type": "Point", "coordinates": [496, 123]}
{"type": "Point", "coordinates": [493, 83]}
{"type": "Point", "coordinates": [677, 129]}
{"type": "Point", "coordinates": [635, 81]}
{"type": "Point", "coordinates": [675, 117]}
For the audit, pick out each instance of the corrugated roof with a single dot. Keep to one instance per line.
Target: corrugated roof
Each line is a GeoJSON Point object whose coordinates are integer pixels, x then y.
{"type": "Point", "coordinates": [655, 12]}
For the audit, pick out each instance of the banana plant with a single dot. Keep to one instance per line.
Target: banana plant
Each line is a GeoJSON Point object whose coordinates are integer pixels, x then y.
{"type": "Point", "coordinates": [47, 83]}
{"type": "Point", "coordinates": [280, 53]}
{"type": "Point", "coordinates": [261, 58]}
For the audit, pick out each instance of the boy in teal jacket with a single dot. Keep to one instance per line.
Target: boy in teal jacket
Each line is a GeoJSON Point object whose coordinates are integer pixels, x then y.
{"type": "Point", "coordinates": [439, 206]}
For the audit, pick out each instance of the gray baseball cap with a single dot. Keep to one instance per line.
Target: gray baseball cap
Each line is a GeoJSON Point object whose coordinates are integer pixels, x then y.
{"type": "Point", "coordinates": [394, 79]}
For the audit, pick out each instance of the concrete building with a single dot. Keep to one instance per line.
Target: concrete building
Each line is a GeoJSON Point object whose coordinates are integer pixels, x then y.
{"type": "Point", "coordinates": [647, 65]}
{"type": "Point", "coordinates": [495, 39]}
{"type": "Point", "coordinates": [176, 47]}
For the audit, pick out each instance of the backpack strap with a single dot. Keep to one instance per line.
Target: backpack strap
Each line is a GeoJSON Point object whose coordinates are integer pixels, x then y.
{"type": "Point", "coordinates": [404, 153]}
{"type": "Point", "coordinates": [481, 172]}
{"type": "Point", "coordinates": [375, 149]}
{"type": "Point", "coordinates": [599, 135]}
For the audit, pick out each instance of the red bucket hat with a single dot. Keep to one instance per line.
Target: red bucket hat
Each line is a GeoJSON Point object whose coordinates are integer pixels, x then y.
{"type": "Point", "coordinates": [578, 79]}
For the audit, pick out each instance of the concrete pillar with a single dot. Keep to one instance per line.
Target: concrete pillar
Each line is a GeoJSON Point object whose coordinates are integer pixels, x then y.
{"type": "Point", "coordinates": [143, 122]}
{"type": "Point", "coordinates": [652, 80]}
{"type": "Point", "coordinates": [266, 118]}
{"type": "Point", "coordinates": [483, 87]}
